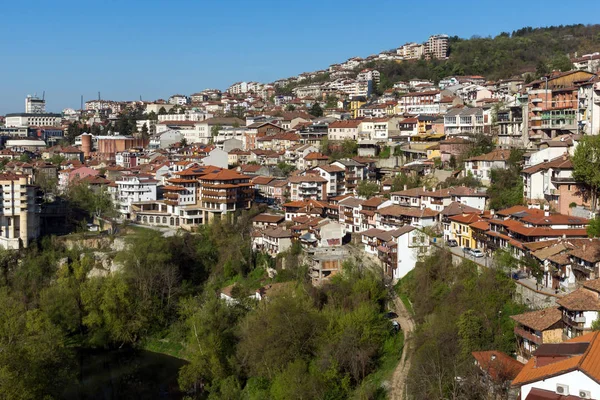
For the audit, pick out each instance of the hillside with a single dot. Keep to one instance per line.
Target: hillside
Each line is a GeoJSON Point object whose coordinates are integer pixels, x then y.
{"type": "Point", "coordinates": [534, 50]}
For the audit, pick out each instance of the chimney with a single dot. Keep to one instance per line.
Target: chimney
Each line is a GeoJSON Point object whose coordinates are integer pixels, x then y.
{"type": "Point", "coordinates": [492, 212]}
{"type": "Point", "coordinates": [565, 157]}
{"type": "Point", "coordinates": [546, 213]}
{"type": "Point", "coordinates": [493, 357]}
{"type": "Point", "coordinates": [424, 188]}
{"type": "Point", "coordinates": [405, 187]}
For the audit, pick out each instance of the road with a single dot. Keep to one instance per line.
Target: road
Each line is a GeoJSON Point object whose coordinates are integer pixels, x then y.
{"type": "Point", "coordinates": [398, 383]}
{"type": "Point", "coordinates": [486, 261]}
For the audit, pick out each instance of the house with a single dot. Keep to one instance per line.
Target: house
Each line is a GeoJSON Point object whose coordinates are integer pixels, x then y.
{"type": "Point", "coordinates": [341, 130]}
{"type": "Point", "coordinates": [350, 213]}
{"type": "Point", "coordinates": [393, 216]}
{"type": "Point", "coordinates": [497, 370]}
{"type": "Point", "coordinates": [307, 186]}
{"type": "Point", "coordinates": [535, 328]}
{"type": "Point", "coordinates": [580, 309]}
{"type": "Point", "coordinates": [262, 221]}
{"type": "Point", "coordinates": [305, 207]}
{"type": "Point", "coordinates": [562, 371]}
{"type": "Point", "coordinates": [481, 166]}
{"type": "Point", "coordinates": [273, 241]}
{"type": "Point", "coordinates": [334, 175]}
{"type": "Point", "coordinates": [460, 229]}
{"type": "Point", "coordinates": [398, 249]}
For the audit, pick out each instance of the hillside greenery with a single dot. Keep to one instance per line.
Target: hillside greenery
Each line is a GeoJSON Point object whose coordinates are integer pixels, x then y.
{"type": "Point", "coordinates": [163, 293]}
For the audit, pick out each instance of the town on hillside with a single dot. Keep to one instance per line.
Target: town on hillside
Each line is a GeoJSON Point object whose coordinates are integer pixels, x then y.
{"type": "Point", "coordinates": [347, 161]}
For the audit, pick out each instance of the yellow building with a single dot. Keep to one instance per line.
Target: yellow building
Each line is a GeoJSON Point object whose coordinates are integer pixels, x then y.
{"type": "Point", "coordinates": [434, 152]}
{"type": "Point", "coordinates": [355, 105]}
{"type": "Point", "coordinates": [461, 231]}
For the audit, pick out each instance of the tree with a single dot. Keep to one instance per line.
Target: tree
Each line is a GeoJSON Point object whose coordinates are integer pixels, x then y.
{"type": "Point", "coordinates": [162, 111]}
{"type": "Point", "coordinates": [586, 166]}
{"type": "Point", "coordinates": [593, 229]}
{"type": "Point", "coordinates": [277, 333]}
{"type": "Point", "coordinates": [290, 107]}
{"type": "Point", "coordinates": [367, 189]}
{"type": "Point", "coordinates": [506, 188]}
{"type": "Point", "coordinates": [145, 134]}
{"type": "Point", "coordinates": [34, 362]}
{"type": "Point", "coordinates": [152, 116]}
{"type": "Point", "coordinates": [285, 168]}
{"type": "Point", "coordinates": [561, 62]}
{"type": "Point", "coordinates": [316, 110]}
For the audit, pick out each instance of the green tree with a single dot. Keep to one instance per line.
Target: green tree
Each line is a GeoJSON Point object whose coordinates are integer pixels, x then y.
{"type": "Point", "coordinates": [316, 110]}
{"type": "Point", "coordinates": [211, 341]}
{"type": "Point", "coordinates": [506, 189]}
{"type": "Point", "coordinates": [290, 107]}
{"type": "Point", "coordinates": [286, 168]}
{"type": "Point", "coordinates": [162, 111]}
{"type": "Point", "coordinates": [367, 189]}
{"type": "Point", "coordinates": [593, 229]}
{"type": "Point", "coordinates": [277, 333]}
{"type": "Point", "coordinates": [145, 132]}
{"type": "Point", "coordinates": [152, 116]}
{"type": "Point", "coordinates": [34, 362]}
{"type": "Point", "coordinates": [586, 166]}
{"type": "Point", "coordinates": [561, 62]}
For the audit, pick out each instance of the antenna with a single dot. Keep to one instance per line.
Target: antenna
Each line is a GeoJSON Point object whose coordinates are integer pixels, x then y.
{"type": "Point", "coordinates": [81, 103]}
{"type": "Point", "coordinates": [98, 96]}
{"type": "Point", "coordinates": [44, 95]}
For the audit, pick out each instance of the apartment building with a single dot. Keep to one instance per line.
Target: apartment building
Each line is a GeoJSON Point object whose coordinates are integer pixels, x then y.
{"type": "Point", "coordinates": [20, 213]}
{"type": "Point", "coordinates": [224, 192]}
{"type": "Point", "coordinates": [307, 187]}
{"type": "Point", "coordinates": [553, 104]}
{"type": "Point", "coordinates": [467, 121]}
{"type": "Point", "coordinates": [427, 102]}
{"type": "Point", "coordinates": [131, 188]}
{"type": "Point", "coordinates": [481, 166]}
{"type": "Point", "coordinates": [437, 47]}
{"type": "Point", "coordinates": [341, 130]}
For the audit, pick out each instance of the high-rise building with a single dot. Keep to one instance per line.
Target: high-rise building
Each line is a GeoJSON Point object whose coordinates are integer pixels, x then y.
{"type": "Point", "coordinates": [437, 47]}
{"type": "Point", "coordinates": [35, 105]}
{"type": "Point", "coordinates": [19, 216]}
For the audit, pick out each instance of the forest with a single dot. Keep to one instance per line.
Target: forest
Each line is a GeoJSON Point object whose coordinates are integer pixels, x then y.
{"type": "Point", "coordinates": [458, 309]}
{"type": "Point", "coordinates": [58, 296]}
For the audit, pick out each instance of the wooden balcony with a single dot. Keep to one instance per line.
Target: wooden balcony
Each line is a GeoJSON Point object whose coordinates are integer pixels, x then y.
{"type": "Point", "coordinates": [527, 335]}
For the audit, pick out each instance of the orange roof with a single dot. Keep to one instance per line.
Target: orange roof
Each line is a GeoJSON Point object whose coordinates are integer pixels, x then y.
{"type": "Point", "coordinates": [224, 175]}
{"type": "Point", "coordinates": [498, 365]}
{"type": "Point", "coordinates": [465, 218]}
{"type": "Point", "coordinates": [543, 365]}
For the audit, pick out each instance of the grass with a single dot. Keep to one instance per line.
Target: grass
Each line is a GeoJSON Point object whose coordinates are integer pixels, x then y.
{"type": "Point", "coordinates": [164, 346]}
{"type": "Point", "coordinates": [372, 385]}
{"type": "Point", "coordinates": [406, 302]}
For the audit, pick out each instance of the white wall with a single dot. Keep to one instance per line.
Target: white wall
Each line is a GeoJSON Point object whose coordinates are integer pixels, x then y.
{"type": "Point", "coordinates": [576, 381]}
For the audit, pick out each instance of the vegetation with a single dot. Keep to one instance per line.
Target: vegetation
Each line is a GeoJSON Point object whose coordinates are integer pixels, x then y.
{"type": "Point", "coordinates": [458, 310]}
{"type": "Point", "coordinates": [506, 188]}
{"type": "Point", "coordinates": [316, 110]}
{"type": "Point", "coordinates": [367, 189]}
{"type": "Point", "coordinates": [162, 294]}
{"type": "Point", "coordinates": [586, 167]}
{"type": "Point", "coordinates": [285, 168]}
{"type": "Point", "coordinates": [533, 50]}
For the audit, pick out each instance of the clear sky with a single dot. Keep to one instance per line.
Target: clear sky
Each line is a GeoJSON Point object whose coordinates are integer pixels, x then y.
{"type": "Point", "coordinates": [156, 48]}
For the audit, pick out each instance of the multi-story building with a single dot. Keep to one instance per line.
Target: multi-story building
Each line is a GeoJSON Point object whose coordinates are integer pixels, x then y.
{"type": "Point", "coordinates": [32, 119]}
{"type": "Point", "coordinates": [178, 99]}
{"type": "Point", "coordinates": [307, 187]}
{"type": "Point", "coordinates": [481, 166]}
{"type": "Point", "coordinates": [589, 107]}
{"type": "Point", "coordinates": [553, 104]}
{"type": "Point", "coordinates": [341, 130]}
{"type": "Point", "coordinates": [427, 102]}
{"type": "Point", "coordinates": [535, 328]}
{"type": "Point", "coordinates": [511, 128]}
{"type": "Point", "coordinates": [133, 189]}
{"type": "Point", "coordinates": [19, 215]}
{"type": "Point", "coordinates": [467, 121]}
{"type": "Point", "coordinates": [437, 47]}
{"type": "Point", "coordinates": [580, 309]}
{"type": "Point", "coordinates": [35, 105]}
{"type": "Point", "coordinates": [562, 371]}
{"type": "Point", "coordinates": [225, 192]}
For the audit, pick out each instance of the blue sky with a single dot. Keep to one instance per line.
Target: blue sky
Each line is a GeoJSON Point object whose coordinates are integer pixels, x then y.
{"type": "Point", "coordinates": [153, 48]}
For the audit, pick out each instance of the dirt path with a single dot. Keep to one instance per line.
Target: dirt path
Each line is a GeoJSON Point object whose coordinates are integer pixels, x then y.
{"type": "Point", "coordinates": [407, 324]}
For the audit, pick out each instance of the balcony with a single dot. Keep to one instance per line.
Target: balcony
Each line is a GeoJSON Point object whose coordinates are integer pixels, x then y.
{"type": "Point", "coordinates": [527, 335]}
{"type": "Point", "coordinates": [536, 109]}
{"type": "Point", "coordinates": [574, 322]}
{"type": "Point", "coordinates": [536, 100]}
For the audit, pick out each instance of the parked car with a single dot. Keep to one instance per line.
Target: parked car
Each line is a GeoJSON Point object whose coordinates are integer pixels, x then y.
{"type": "Point", "coordinates": [452, 243]}
{"type": "Point", "coordinates": [467, 250]}
{"type": "Point", "coordinates": [391, 315]}
{"type": "Point", "coordinates": [476, 253]}
{"type": "Point", "coordinates": [395, 326]}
